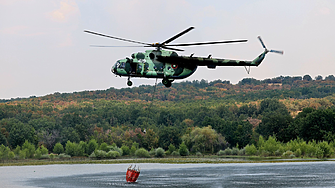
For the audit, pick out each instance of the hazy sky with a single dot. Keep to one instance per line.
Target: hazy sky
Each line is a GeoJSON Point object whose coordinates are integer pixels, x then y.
{"type": "Point", "coordinates": [44, 50]}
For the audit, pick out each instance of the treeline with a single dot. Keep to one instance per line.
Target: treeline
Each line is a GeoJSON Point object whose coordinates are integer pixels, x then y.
{"type": "Point", "coordinates": [159, 125]}
{"type": "Point", "coordinates": [207, 124]}
{"type": "Point", "coordinates": [248, 89]}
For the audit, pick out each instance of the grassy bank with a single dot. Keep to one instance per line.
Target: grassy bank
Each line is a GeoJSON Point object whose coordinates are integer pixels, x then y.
{"type": "Point", "coordinates": [178, 160]}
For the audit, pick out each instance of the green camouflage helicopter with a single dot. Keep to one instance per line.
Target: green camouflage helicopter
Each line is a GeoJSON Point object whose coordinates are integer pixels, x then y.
{"type": "Point", "coordinates": [168, 65]}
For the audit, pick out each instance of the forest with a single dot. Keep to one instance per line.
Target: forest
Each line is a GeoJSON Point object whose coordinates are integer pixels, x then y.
{"type": "Point", "coordinates": [282, 116]}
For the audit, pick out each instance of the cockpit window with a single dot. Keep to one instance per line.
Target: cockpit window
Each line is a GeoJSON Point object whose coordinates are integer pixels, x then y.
{"type": "Point", "coordinates": [122, 65]}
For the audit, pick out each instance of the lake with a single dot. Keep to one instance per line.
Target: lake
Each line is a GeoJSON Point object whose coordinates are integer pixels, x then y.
{"type": "Point", "coordinates": [299, 174]}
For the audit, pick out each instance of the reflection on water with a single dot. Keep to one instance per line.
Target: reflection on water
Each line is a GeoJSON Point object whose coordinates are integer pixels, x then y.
{"type": "Point", "coordinates": [219, 175]}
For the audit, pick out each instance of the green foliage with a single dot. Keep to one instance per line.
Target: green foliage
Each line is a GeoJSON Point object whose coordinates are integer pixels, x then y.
{"type": "Point", "coordinates": [198, 154]}
{"type": "Point", "coordinates": [100, 154]}
{"type": "Point", "coordinates": [132, 150]}
{"type": "Point", "coordinates": [125, 149]}
{"type": "Point", "coordinates": [52, 156]}
{"type": "Point", "coordinates": [44, 150]}
{"type": "Point", "coordinates": [142, 153]}
{"type": "Point", "coordinates": [183, 151]}
{"type": "Point", "coordinates": [159, 152]}
{"type": "Point", "coordinates": [112, 154]}
{"type": "Point", "coordinates": [38, 153]}
{"type": "Point", "coordinates": [104, 147]}
{"type": "Point", "coordinates": [4, 152]}
{"type": "Point", "coordinates": [11, 155]}
{"type": "Point", "coordinates": [92, 146]}
{"type": "Point", "coordinates": [58, 148]}
{"type": "Point", "coordinates": [221, 152]}
{"type": "Point", "coordinates": [228, 151]}
{"type": "Point", "coordinates": [204, 139]}
{"type": "Point", "coordinates": [64, 156]}
{"type": "Point", "coordinates": [250, 149]}
{"type": "Point", "coordinates": [117, 149]}
{"type": "Point", "coordinates": [172, 148]}
{"type": "Point", "coordinates": [29, 148]}
{"type": "Point", "coordinates": [73, 149]}
{"type": "Point", "coordinates": [152, 152]}
{"type": "Point", "coordinates": [175, 153]}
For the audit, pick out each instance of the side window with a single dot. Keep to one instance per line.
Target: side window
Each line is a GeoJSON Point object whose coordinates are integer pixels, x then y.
{"type": "Point", "coordinates": [122, 65]}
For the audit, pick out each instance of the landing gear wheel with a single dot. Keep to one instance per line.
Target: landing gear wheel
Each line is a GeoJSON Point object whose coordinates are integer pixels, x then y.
{"type": "Point", "coordinates": [129, 83]}
{"type": "Point", "coordinates": [166, 82]}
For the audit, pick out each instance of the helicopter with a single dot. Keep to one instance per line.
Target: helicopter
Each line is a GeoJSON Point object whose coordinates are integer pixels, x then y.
{"type": "Point", "coordinates": [167, 64]}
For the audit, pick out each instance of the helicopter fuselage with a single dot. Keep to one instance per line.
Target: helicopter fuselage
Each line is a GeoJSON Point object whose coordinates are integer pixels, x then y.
{"type": "Point", "coordinates": [148, 65]}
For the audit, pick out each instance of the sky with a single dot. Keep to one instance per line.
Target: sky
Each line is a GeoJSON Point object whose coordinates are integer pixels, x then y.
{"type": "Point", "coordinates": [44, 49]}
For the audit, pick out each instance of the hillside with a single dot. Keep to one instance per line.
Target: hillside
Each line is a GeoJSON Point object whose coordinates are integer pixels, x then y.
{"type": "Point", "coordinates": [282, 106]}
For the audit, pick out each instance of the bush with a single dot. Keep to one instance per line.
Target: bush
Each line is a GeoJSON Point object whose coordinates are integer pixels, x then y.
{"type": "Point", "coordinates": [250, 150]}
{"type": "Point", "coordinates": [241, 152]}
{"type": "Point", "coordinates": [175, 153]}
{"type": "Point", "coordinates": [235, 151]}
{"type": "Point", "coordinates": [100, 154]}
{"type": "Point", "coordinates": [91, 146]}
{"type": "Point", "coordinates": [228, 151]}
{"type": "Point", "coordinates": [44, 150]}
{"type": "Point", "coordinates": [159, 152]}
{"type": "Point", "coordinates": [45, 156]}
{"type": "Point", "coordinates": [132, 150]}
{"type": "Point", "coordinates": [115, 148]}
{"type": "Point", "coordinates": [221, 152]}
{"type": "Point", "coordinates": [63, 156]}
{"type": "Point", "coordinates": [198, 154]}
{"type": "Point", "coordinates": [52, 156]}
{"type": "Point", "coordinates": [38, 153]}
{"type": "Point", "coordinates": [125, 149]}
{"type": "Point", "coordinates": [58, 148]}
{"type": "Point", "coordinates": [183, 151]}
{"type": "Point", "coordinates": [142, 153]}
{"type": "Point", "coordinates": [104, 147]}
{"type": "Point", "coordinates": [152, 152]}
{"type": "Point", "coordinates": [113, 154]}
{"type": "Point", "coordinates": [172, 148]}
{"type": "Point", "coordinates": [288, 154]}
{"type": "Point", "coordinates": [297, 153]}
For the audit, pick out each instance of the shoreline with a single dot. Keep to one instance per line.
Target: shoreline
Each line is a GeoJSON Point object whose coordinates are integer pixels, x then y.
{"type": "Point", "coordinates": [186, 160]}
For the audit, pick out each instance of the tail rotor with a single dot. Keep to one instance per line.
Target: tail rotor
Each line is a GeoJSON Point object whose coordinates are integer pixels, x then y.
{"type": "Point", "coordinates": [275, 51]}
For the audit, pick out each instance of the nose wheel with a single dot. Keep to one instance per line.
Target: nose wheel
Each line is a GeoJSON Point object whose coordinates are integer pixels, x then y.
{"type": "Point", "coordinates": [129, 83]}
{"type": "Point", "coordinates": [166, 82]}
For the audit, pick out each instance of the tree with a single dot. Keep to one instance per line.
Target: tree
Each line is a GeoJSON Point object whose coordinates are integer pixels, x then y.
{"type": "Point", "coordinates": [73, 149]}
{"type": "Point", "coordinates": [58, 148]}
{"type": "Point", "coordinates": [3, 139]}
{"type": "Point", "coordinates": [317, 125]}
{"type": "Point", "coordinates": [169, 135]}
{"type": "Point", "coordinates": [183, 151]}
{"type": "Point", "coordinates": [150, 139]}
{"type": "Point", "coordinates": [307, 78]}
{"type": "Point", "coordinates": [204, 140]}
{"type": "Point", "coordinates": [92, 146]}
{"type": "Point", "coordinates": [19, 133]}
{"type": "Point", "coordinates": [29, 148]}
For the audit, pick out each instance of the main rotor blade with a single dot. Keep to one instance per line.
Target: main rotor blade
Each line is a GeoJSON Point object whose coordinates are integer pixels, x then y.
{"type": "Point", "coordinates": [176, 49]}
{"type": "Point", "coordinates": [176, 36]}
{"type": "Point", "coordinates": [116, 46]}
{"type": "Point", "coordinates": [206, 43]}
{"type": "Point", "coordinates": [103, 35]}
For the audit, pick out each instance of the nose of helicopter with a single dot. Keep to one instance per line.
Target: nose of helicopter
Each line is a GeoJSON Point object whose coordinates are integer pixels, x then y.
{"type": "Point", "coordinates": [114, 67]}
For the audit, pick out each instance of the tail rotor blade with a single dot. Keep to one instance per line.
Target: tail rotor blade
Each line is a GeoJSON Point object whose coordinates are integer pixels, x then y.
{"type": "Point", "coordinates": [260, 39]}
{"type": "Point", "coordinates": [278, 52]}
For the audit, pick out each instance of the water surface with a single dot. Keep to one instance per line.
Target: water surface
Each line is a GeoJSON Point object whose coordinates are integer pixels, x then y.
{"type": "Point", "coordinates": [312, 174]}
